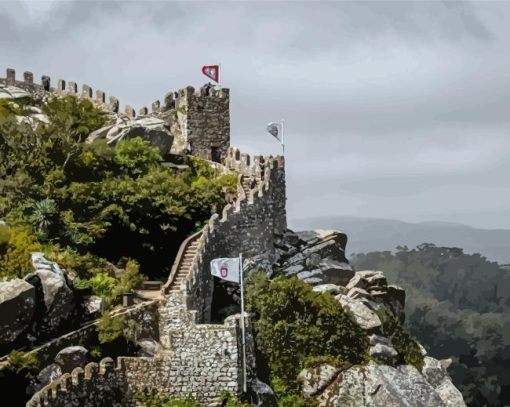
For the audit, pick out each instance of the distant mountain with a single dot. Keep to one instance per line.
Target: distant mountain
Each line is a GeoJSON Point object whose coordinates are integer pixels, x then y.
{"type": "Point", "coordinates": [370, 234]}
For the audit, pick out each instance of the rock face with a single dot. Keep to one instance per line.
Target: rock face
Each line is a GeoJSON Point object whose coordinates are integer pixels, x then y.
{"type": "Point", "coordinates": [377, 385]}
{"type": "Point", "coordinates": [44, 377]}
{"type": "Point", "coordinates": [38, 306]}
{"type": "Point", "coordinates": [94, 305]}
{"type": "Point", "coordinates": [57, 295]}
{"type": "Point", "coordinates": [12, 92]}
{"type": "Point", "coordinates": [71, 357]}
{"type": "Point", "coordinates": [371, 289]}
{"type": "Point", "coordinates": [317, 257]}
{"type": "Point", "coordinates": [58, 299]}
{"type": "Point", "coordinates": [17, 305]}
{"type": "Point", "coordinates": [148, 128]}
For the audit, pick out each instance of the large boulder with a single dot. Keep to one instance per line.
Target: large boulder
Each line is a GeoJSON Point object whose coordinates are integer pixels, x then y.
{"type": "Point", "coordinates": [94, 305]}
{"type": "Point", "coordinates": [13, 92]}
{"type": "Point", "coordinates": [39, 262]}
{"type": "Point", "coordinates": [435, 373]}
{"type": "Point", "coordinates": [152, 129]}
{"type": "Point", "coordinates": [372, 289]}
{"type": "Point", "coordinates": [58, 299]}
{"type": "Point", "coordinates": [17, 305]}
{"type": "Point", "coordinates": [45, 377]}
{"type": "Point", "coordinates": [316, 257]}
{"type": "Point", "coordinates": [373, 385]}
{"type": "Point", "coordinates": [365, 317]}
{"type": "Point", "coordinates": [72, 357]}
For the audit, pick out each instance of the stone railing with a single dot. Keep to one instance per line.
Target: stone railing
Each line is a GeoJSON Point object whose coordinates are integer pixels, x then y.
{"type": "Point", "coordinates": [179, 259]}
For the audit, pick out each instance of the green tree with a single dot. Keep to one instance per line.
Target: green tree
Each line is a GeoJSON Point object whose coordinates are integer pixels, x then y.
{"type": "Point", "coordinates": [293, 323]}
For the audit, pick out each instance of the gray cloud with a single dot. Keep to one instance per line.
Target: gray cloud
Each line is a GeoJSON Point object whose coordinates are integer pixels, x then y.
{"type": "Point", "coordinates": [393, 109]}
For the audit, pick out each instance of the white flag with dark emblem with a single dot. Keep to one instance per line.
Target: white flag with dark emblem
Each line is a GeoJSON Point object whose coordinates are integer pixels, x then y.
{"type": "Point", "coordinates": [226, 269]}
{"type": "Point", "coordinates": [275, 129]}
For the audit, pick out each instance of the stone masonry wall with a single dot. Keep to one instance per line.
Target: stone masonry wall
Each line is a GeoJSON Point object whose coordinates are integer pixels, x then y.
{"type": "Point", "coordinates": [250, 226]}
{"type": "Point", "coordinates": [98, 385]}
{"type": "Point", "coordinates": [204, 120]}
{"type": "Point", "coordinates": [39, 91]}
{"type": "Point", "coordinates": [198, 359]}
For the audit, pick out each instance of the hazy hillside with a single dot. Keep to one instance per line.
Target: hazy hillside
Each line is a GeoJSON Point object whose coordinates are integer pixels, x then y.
{"type": "Point", "coordinates": [367, 234]}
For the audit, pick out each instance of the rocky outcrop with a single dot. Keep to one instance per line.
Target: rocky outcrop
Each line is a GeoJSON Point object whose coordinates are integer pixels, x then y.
{"type": "Point", "coordinates": [152, 129]}
{"type": "Point", "coordinates": [371, 289]}
{"type": "Point", "coordinates": [17, 305]}
{"type": "Point", "coordinates": [317, 257]}
{"type": "Point", "coordinates": [38, 306]}
{"type": "Point", "coordinates": [71, 357]}
{"type": "Point", "coordinates": [378, 385]}
{"type": "Point", "coordinates": [12, 92]}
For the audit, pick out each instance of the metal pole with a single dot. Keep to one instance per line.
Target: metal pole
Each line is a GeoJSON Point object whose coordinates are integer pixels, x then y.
{"type": "Point", "coordinates": [219, 76]}
{"type": "Point", "coordinates": [243, 337]}
{"type": "Point", "coordinates": [283, 140]}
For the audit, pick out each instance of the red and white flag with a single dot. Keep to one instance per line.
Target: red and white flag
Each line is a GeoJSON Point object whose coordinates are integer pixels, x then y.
{"type": "Point", "coordinates": [212, 72]}
{"type": "Point", "coordinates": [226, 269]}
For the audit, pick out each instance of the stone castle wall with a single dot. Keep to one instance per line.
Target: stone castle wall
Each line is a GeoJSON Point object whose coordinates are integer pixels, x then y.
{"type": "Point", "coordinates": [198, 359]}
{"type": "Point", "coordinates": [249, 226]}
{"type": "Point", "coordinates": [204, 119]}
{"type": "Point", "coordinates": [201, 360]}
{"type": "Point", "coordinates": [99, 385]}
{"type": "Point", "coordinates": [63, 88]}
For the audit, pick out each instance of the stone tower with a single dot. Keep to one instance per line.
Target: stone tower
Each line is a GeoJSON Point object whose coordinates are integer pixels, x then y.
{"type": "Point", "coordinates": [204, 121]}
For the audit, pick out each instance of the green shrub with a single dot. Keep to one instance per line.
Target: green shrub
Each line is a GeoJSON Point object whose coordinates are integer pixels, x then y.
{"type": "Point", "coordinates": [227, 399]}
{"type": "Point", "coordinates": [136, 156]}
{"type": "Point", "coordinates": [80, 116]}
{"type": "Point", "coordinates": [110, 328]}
{"type": "Point", "coordinates": [129, 279]}
{"type": "Point", "coordinates": [292, 323]}
{"type": "Point", "coordinates": [23, 364]}
{"type": "Point", "coordinates": [288, 396]}
{"type": "Point", "coordinates": [8, 108]}
{"type": "Point", "coordinates": [316, 361]}
{"type": "Point", "coordinates": [103, 285]}
{"type": "Point", "coordinates": [152, 399]}
{"type": "Point", "coordinates": [406, 345]}
{"type": "Point", "coordinates": [16, 244]}
{"type": "Point", "coordinates": [83, 265]}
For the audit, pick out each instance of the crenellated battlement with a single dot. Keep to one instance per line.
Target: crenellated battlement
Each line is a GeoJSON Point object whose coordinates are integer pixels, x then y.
{"type": "Point", "coordinates": [62, 88]}
{"type": "Point", "coordinates": [82, 384]}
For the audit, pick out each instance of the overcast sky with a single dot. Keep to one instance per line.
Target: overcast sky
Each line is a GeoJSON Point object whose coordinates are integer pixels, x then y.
{"type": "Point", "coordinates": [393, 109]}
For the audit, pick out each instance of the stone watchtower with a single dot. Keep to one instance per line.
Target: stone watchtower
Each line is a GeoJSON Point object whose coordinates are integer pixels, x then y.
{"type": "Point", "coordinates": [203, 118]}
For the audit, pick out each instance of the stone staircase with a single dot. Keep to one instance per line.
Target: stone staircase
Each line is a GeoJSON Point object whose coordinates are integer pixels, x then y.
{"type": "Point", "coordinates": [184, 266]}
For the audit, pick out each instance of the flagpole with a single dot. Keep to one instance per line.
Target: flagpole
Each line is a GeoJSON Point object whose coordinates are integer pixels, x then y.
{"type": "Point", "coordinates": [283, 140]}
{"type": "Point", "coordinates": [243, 337]}
{"type": "Point", "coordinates": [219, 75]}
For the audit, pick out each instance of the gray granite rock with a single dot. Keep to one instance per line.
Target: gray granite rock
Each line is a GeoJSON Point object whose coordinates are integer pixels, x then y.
{"type": "Point", "coordinates": [364, 316]}
{"type": "Point", "coordinates": [17, 307]}
{"type": "Point", "coordinates": [376, 385]}
{"type": "Point", "coordinates": [72, 357]}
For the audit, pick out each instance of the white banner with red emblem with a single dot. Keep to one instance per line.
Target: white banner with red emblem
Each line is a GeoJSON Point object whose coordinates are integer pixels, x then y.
{"type": "Point", "coordinates": [226, 269]}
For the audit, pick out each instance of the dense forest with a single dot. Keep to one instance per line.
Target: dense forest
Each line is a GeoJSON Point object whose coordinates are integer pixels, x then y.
{"type": "Point", "coordinates": [457, 306]}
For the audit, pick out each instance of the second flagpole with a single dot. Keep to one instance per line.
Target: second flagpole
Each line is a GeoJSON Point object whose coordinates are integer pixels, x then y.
{"type": "Point", "coordinates": [243, 336]}
{"type": "Point", "coordinates": [283, 139]}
